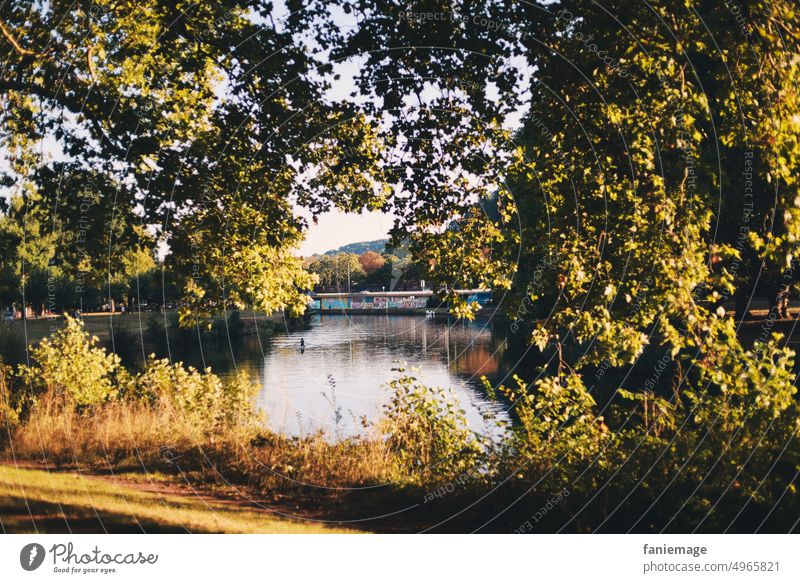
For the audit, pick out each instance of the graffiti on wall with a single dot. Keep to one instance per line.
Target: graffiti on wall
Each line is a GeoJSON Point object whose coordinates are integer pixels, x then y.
{"type": "Point", "coordinates": [334, 303]}
{"type": "Point", "coordinates": [391, 302]}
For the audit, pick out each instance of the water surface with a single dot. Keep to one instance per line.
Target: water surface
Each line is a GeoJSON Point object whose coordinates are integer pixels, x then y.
{"type": "Point", "coordinates": [339, 379]}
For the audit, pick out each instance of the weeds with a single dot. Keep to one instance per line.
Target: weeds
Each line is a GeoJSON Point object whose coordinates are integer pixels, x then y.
{"type": "Point", "coordinates": [427, 431]}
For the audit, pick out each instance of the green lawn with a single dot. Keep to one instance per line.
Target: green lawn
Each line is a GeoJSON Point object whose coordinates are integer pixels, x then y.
{"type": "Point", "coordinates": [96, 324]}
{"type": "Point", "coordinates": [56, 502]}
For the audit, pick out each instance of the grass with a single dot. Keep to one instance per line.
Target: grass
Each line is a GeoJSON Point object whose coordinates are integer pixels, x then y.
{"type": "Point", "coordinates": [55, 502]}
{"type": "Point", "coordinates": [99, 325]}
{"type": "Point", "coordinates": [126, 435]}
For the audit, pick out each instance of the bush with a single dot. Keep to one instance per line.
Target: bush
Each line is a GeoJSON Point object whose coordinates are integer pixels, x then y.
{"type": "Point", "coordinates": [9, 408]}
{"type": "Point", "coordinates": [556, 418]}
{"type": "Point", "coordinates": [427, 432]}
{"type": "Point", "coordinates": [203, 397]}
{"type": "Point", "coordinates": [73, 370]}
{"type": "Point", "coordinates": [72, 374]}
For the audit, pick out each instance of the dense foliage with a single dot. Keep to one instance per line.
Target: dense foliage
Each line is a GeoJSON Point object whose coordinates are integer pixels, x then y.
{"type": "Point", "coordinates": [71, 373]}
{"type": "Point", "coordinates": [647, 195]}
{"type": "Point", "coordinates": [652, 181]}
{"type": "Point", "coordinates": [168, 129]}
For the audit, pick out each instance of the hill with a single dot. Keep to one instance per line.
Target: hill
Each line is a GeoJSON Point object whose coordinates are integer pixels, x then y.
{"type": "Point", "coordinates": [361, 247]}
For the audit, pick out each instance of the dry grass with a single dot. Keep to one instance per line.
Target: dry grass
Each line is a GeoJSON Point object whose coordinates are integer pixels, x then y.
{"type": "Point", "coordinates": [111, 434]}
{"type": "Point", "coordinates": [315, 460]}
{"type": "Point", "coordinates": [134, 436]}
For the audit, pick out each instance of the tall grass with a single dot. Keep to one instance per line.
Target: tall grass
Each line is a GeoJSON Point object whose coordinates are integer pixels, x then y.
{"type": "Point", "coordinates": [133, 435]}
{"type": "Point", "coordinates": [76, 405]}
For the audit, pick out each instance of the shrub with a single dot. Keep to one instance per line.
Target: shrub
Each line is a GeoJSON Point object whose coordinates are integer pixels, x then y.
{"type": "Point", "coordinates": [9, 407]}
{"type": "Point", "coordinates": [427, 432]}
{"type": "Point", "coordinates": [556, 418]}
{"type": "Point", "coordinates": [198, 395]}
{"type": "Point", "coordinates": [73, 370]}
{"type": "Point", "coordinates": [74, 373]}
{"type": "Point", "coordinates": [79, 403]}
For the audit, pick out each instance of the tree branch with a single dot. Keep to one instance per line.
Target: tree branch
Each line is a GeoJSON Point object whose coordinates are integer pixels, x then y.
{"type": "Point", "coordinates": [73, 105]}
{"type": "Point", "coordinates": [10, 37]}
{"type": "Point", "coordinates": [90, 63]}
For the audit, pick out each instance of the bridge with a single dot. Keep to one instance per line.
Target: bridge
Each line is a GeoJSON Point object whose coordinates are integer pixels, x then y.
{"type": "Point", "coordinates": [403, 302]}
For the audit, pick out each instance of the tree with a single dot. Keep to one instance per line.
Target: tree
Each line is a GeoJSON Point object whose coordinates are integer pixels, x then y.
{"type": "Point", "coordinates": [371, 261]}
{"type": "Point", "coordinates": [325, 270]}
{"type": "Point", "coordinates": [638, 204]}
{"type": "Point", "coordinates": [614, 189]}
{"type": "Point", "coordinates": [132, 92]}
{"type": "Point", "coordinates": [654, 177]}
{"type": "Point", "coordinates": [338, 270]}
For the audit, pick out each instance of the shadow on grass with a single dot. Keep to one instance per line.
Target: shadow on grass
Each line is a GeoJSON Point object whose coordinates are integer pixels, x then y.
{"type": "Point", "coordinates": [60, 502]}
{"type": "Point", "coordinates": [19, 516]}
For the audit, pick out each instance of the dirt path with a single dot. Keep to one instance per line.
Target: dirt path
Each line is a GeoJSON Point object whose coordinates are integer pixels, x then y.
{"type": "Point", "coordinates": [38, 499]}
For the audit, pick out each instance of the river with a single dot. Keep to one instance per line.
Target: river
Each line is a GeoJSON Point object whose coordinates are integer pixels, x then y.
{"type": "Point", "coordinates": [337, 384]}
{"type": "Point", "coordinates": [339, 380]}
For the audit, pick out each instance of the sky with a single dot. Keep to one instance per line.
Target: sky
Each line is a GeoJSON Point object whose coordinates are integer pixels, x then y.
{"type": "Point", "coordinates": [336, 228]}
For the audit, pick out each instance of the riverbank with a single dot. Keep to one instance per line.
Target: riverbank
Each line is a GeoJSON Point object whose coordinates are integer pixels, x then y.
{"type": "Point", "coordinates": [102, 324]}
{"type": "Point", "coordinates": [418, 466]}
{"type": "Point", "coordinates": [35, 500]}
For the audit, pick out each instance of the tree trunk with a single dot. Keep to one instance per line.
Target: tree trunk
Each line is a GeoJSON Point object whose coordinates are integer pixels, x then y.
{"type": "Point", "coordinates": [742, 300]}
{"type": "Point", "coordinates": [779, 302]}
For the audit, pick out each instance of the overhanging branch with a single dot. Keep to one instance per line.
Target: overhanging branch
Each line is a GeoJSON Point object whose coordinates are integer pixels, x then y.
{"type": "Point", "coordinates": [17, 47]}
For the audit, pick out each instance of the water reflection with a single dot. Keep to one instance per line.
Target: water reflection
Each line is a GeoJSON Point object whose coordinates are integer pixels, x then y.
{"type": "Point", "coordinates": [339, 378]}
